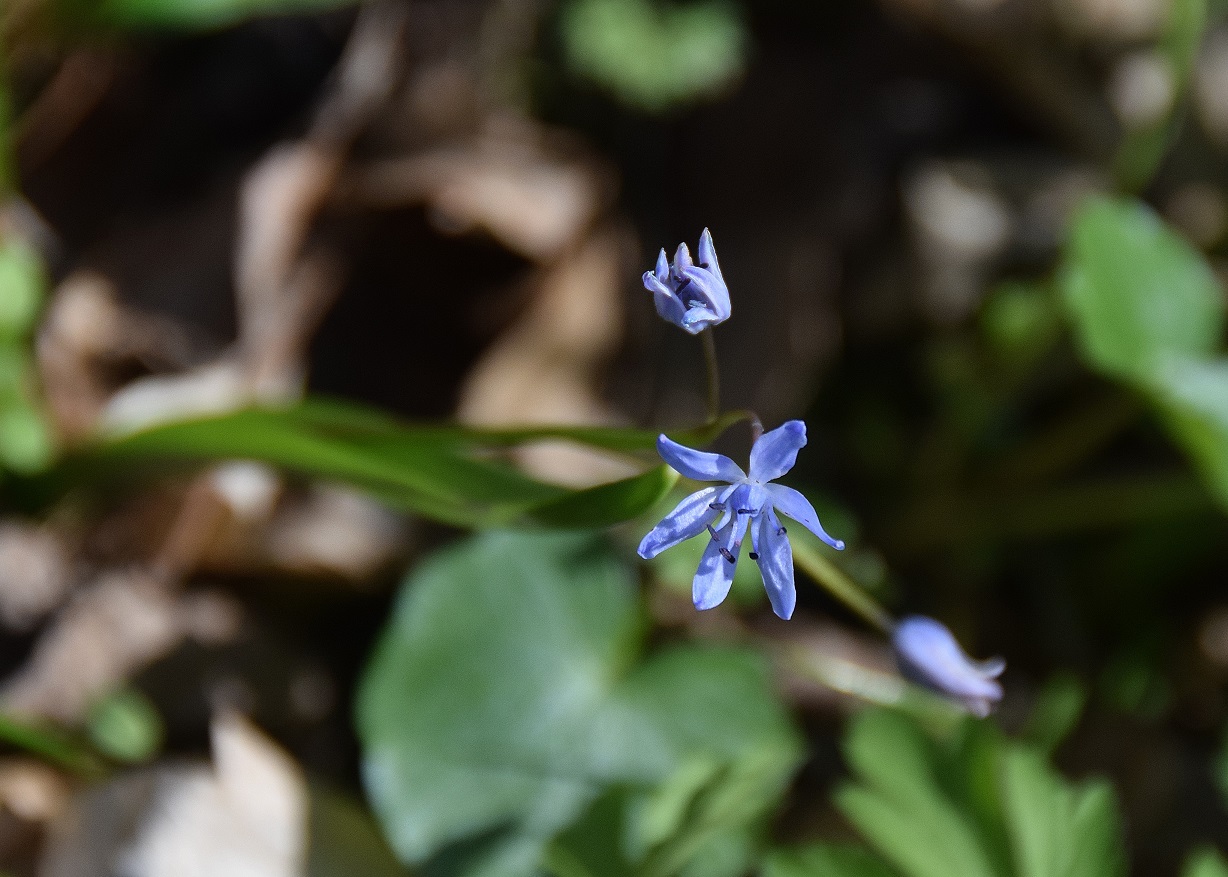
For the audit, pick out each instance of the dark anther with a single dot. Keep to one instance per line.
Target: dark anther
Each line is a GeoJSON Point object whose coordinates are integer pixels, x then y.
{"type": "Point", "coordinates": [703, 265]}
{"type": "Point", "coordinates": [746, 511]}
{"type": "Point", "coordinates": [717, 506]}
{"type": "Point", "coordinates": [754, 555]}
{"type": "Point", "coordinates": [728, 555]}
{"type": "Point", "coordinates": [781, 531]}
{"type": "Point", "coordinates": [683, 285]}
{"type": "Point", "coordinates": [712, 532]}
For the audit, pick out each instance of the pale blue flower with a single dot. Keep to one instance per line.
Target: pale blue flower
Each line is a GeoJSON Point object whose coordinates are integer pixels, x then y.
{"type": "Point", "coordinates": [929, 655]}
{"type": "Point", "coordinates": [692, 296]}
{"type": "Point", "coordinates": [727, 510]}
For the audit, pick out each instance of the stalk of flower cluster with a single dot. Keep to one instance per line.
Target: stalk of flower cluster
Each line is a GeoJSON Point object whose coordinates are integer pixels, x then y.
{"type": "Point", "coordinates": [714, 375]}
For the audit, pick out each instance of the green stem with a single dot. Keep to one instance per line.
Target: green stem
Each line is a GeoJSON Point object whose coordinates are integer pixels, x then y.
{"type": "Point", "coordinates": [831, 579]}
{"type": "Point", "coordinates": [714, 375]}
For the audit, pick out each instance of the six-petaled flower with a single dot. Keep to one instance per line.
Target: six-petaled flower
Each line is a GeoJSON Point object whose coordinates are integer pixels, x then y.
{"type": "Point", "coordinates": [929, 655]}
{"type": "Point", "coordinates": [692, 296]}
{"type": "Point", "coordinates": [742, 501]}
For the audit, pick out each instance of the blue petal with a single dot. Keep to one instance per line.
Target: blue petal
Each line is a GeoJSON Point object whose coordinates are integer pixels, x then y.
{"type": "Point", "coordinates": [682, 260]}
{"type": "Point", "coordinates": [929, 655]}
{"type": "Point", "coordinates": [698, 465]}
{"type": "Point", "coordinates": [689, 518]}
{"type": "Point", "coordinates": [707, 255]}
{"type": "Point", "coordinates": [791, 503]}
{"type": "Point", "coordinates": [776, 451]}
{"type": "Point", "coordinates": [715, 573]}
{"type": "Point", "coordinates": [776, 564]}
{"type": "Point", "coordinates": [662, 269]}
{"type": "Point", "coordinates": [668, 306]}
{"type": "Point", "coordinates": [707, 289]}
{"type": "Point", "coordinates": [697, 319]}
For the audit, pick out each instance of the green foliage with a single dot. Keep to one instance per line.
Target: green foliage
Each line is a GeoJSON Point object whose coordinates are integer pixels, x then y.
{"type": "Point", "coordinates": [655, 54]}
{"type": "Point", "coordinates": [826, 860]}
{"type": "Point", "coordinates": [1143, 149]}
{"type": "Point", "coordinates": [973, 804]}
{"type": "Point", "coordinates": [443, 473]}
{"type": "Point", "coordinates": [1205, 862]}
{"type": "Point", "coordinates": [1140, 295]}
{"type": "Point", "coordinates": [1148, 310]}
{"type": "Point", "coordinates": [126, 726]}
{"type": "Point", "coordinates": [25, 442]}
{"type": "Point", "coordinates": [185, 14]}
{"type": "Point", "coordinates": [509, 714]}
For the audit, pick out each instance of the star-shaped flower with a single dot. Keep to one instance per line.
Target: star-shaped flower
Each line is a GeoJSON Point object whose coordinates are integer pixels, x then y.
{"type": "Point", "coordinates": [929, 655]}
{"type": "Point", "coordinates": [689, 295]}
{"type": "Point", "coordinates": [726, 511]}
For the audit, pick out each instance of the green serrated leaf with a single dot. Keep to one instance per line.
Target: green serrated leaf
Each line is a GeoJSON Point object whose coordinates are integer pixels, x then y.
{"type": "Point", "coordinates": [507, 695]}
{"type": "Point", "coordinates": [825, 860]}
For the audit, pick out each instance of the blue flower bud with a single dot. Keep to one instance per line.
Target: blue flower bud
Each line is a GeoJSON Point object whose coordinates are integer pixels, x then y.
{"type": "Point", "coordinates": [928, 654]}
{"type": "Point", "coordinates": [692, 296]}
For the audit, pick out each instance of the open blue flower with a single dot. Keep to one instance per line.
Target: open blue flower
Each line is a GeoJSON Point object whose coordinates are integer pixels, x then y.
{"type": "Point", "coordinates": [726, 512]}
{"type": "Point", "coordinates": [929, 655]}
{"type": "Point", "coordinates": [689, 295]}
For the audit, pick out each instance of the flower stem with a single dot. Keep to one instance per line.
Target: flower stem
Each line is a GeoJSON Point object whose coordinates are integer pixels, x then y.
{"type": "Point", "coordinates": [831, 579]}
{"type": "Point", "coordinates": [714, 375]}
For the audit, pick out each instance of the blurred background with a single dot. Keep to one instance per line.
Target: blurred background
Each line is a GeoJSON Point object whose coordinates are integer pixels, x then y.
{"type": "Point", "coordinates": [975, 244]}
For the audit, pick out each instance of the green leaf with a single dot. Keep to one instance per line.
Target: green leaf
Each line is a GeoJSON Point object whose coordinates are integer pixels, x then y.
{"type": "Point", "coordinates": [21, 291]}
{"type": "Point", "coordinates": [187, 14]}
{"type": "Point", "coordinates": [443, 473]}
{"type": "Point", "coordinates": [1193, 397]}
{"type": "Point", "coordinates": [1205, 862]}
{"type": "Point", "coordinates": [1139, 295]}
{"type": "Point", "coordinates": [655, 54]}
{"type": "Point", "coordinates": [126, 726]}
{"type": "Point", "coordinates": [974, 803]}
{"type": "Point", "coordinates": [825, 860]}
{"type": "Point", "coordinates": [1058, 830]}
{"type": "Point", "coordinates": [508, 694]}
{"type": "Point", "coordinates": [899, 804]}
{"type": "Point", "coordinates": [1143, 149]}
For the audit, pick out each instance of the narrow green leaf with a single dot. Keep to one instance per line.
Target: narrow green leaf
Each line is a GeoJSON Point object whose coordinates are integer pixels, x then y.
{"type": "Point", "coordinates": [439, 472]}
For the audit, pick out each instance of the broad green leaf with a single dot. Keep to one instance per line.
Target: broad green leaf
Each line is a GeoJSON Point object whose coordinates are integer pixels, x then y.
{"type": "Point", "coordinates": [1140, 296]}
{"type": "Point", "coordinates": [1193, 397]}
{"type": "Point", "coordinates": [654, 53]}
{"type": "Point", "coordinates": [1205, 862]}
{"type": "Point", "coordinates": [508, 694]}
{"type": "Point", "coordinates": [825, 860]}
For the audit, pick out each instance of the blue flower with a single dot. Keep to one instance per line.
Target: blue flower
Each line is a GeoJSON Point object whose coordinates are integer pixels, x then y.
{"type": "Point", "coordinates": [929, 655]}
{"type": "Point", "coordinates": [726, 512]}
{"type": "Point", "coordinates": [692, 297]}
